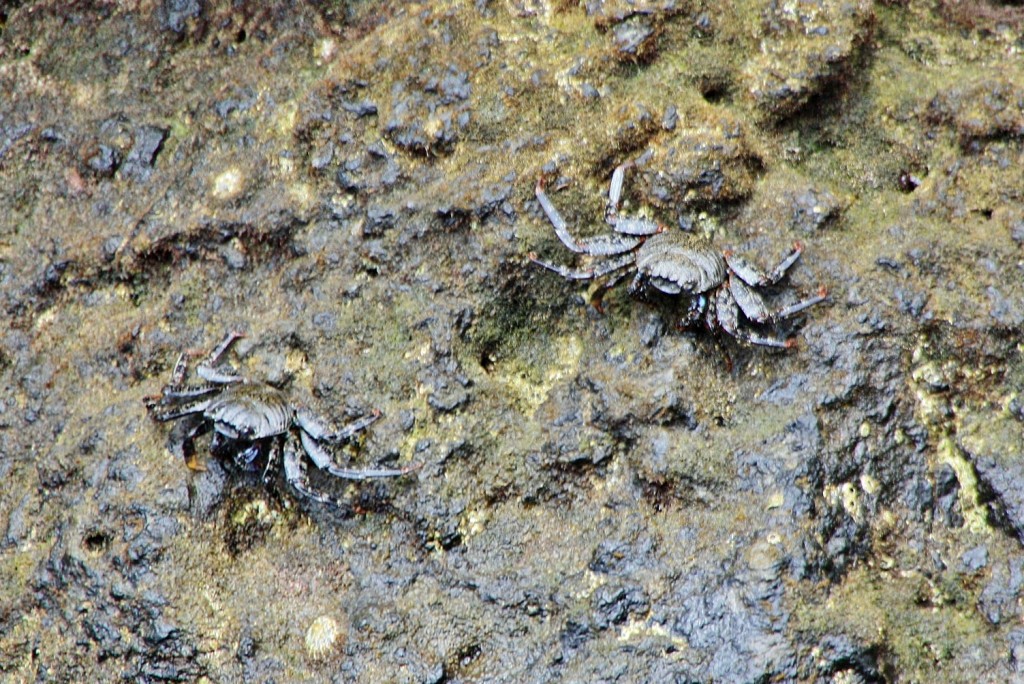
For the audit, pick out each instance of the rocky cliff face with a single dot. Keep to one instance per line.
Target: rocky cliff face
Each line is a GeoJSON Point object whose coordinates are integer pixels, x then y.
{"type": "Point", "coordinates": [604, 497]}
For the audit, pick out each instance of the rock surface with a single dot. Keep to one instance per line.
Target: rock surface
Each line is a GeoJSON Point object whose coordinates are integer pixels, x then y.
{"type": "Point", "coordinates": [602, 497]}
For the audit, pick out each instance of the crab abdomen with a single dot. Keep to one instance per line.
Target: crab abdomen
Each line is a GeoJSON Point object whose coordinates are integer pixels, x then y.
{"type": "Point", "coordinates": [251, 411]}
{"type": "Point", "coordinates": [676, 263]}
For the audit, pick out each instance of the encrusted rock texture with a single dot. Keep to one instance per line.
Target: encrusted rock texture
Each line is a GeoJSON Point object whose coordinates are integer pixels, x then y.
{"type": "Point", "coordinates": [603, 496]}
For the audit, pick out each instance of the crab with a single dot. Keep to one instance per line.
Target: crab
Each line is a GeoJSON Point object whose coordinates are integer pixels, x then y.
{"type": "Point", "coordinates": [251, 420]}
{"type": "Point", "coordinates": [721, 288]}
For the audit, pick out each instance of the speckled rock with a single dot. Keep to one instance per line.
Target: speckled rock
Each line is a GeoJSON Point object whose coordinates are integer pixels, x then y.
{"type": "Point", "coordinates": [805, 48]}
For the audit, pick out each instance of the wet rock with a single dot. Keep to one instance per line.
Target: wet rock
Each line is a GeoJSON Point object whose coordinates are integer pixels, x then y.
{"type": "Point", "coordinates": [17, 523]}
{"type": "Point", "coordinates": [103, 161]}
{"type": "Point", "coordinates": [1017, 231]}
{"type": "Point", "coordinates": [139, 162]}
{"type": "Point", "coordinates": [1005, 483]}
{"type": "Point", "coordinates": [242, 101]}
{"type": "Point", "coordinates": [429, 112]}
{"type": "Point", "coordinates": [1006, 310]}
{"type": "Point", "coordinates": [157, 532]}
{"type": "Point", "coordinates": [472, 196]}
{"type": "Point", "coordinates": [613, 605]}
{"type": "Point", "coordinates": [805, 49]}
{"type": "Point", "coordinates": [603, 498]}
{"type": "Point", "coordinates": [786, 201]}
{"type": "Point", "coordinates": [980, 111]}
{"type": "Point", "coordinates": [360, 108]}
{"type": "Point", "coordinates": [624, 557]}
{"type": "Point", "coordinates": [998, 601]}
{"type": "Point", "coordinates": [844, 660]}
{"type": "Point", "coordinates": [635, 39]}
{"type": "Point", "coordinates": [994, 445]}
{"type": "Point", "coordinates": [373, 167]}
{"type": "Point", "coordinates": [947, 498]}
{"type": "Point", "coordinates": [698, 166]}
{"type": "Point", "coordinates": [734, 641]}
{"type": "Point", "coordinates": [448, 396]}
{"type": "Point", "coordinates": [176, 14]}
{"type": "Point", "coordinates": [975, 559]}
{"type": "Point", "coordinates": [11, 134]}
{"type": "Point", "coordinates": [378, 220]}
{"type": "Point", "coordinates": [206, 488]}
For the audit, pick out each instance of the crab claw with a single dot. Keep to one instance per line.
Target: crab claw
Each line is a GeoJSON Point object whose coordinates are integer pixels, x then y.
{"type": "Point", "coordinates": [791, 343]}
{"type": "Point", "coordinates": [823, 292]}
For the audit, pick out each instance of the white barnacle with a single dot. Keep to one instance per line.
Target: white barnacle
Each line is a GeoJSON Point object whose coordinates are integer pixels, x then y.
{"type": "Point", "coordinates": [321, 636]}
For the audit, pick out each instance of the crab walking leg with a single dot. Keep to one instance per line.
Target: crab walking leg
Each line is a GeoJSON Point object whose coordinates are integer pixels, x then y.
{"type": "Point", "coordinates": [634, 225]}
{"type": "Point", "coordinates": [561, 228]}
{"type": "Point", "coordinates": [207, 371]}
{"type": "Point", "coordinates": [586, 274]}
{"type": "Point", "coordinates": [597, 246]}
{"type": "Point", "coordinates": [312, 426]}
{"type": "Point", "coordinates": [597, 296]}
{"type": "Point", "coordinates": [224, 345]}
{"type": "Point", "coordinates": [322, 460]}
{"type": "Point", "coordinates": [185, 434]}
{"type": "Point", "coordinates": [805, 304]}
{"type": "Point", "coordinates": [180, 370]}
{"type": "Point", "coordinates": [695, 310]}
{"type": "Point", "coordinates": [627, 225]}
{"type": "Point", "coordinates": [756, 309]}
{"type": "Point", "coordinates": [787, 261]}
{"type": "Point", "coordinates": [186, 391]}
{"type": "Point", "coordinates": [609, 245]}
{"type": "Point", "coordinates": [726, 315]}
{"type": "Point", "coordinates": [295, 473]}
{"type": "Point", "coordinates": [186, 409]}
{"type": "Point", "coordinates": [273, 457]}
{"type": "Point", "coordinates": [615, 190]}
{"type": "Point", "coordinates": [754, 276]}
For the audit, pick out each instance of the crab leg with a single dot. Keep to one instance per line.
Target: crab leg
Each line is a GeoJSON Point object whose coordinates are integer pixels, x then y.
{"type": "Point", "coordinates": [634, 225]}
{"type": "Point", "coordinates": [295, 473]}
{"type": "Point", "coordinates": [180, 370]}
{"type": "Point", "coordinates": [188, 391]}
{"type": "Point", "coordinates": [626, 225]}
{"type": "Point", "coordinates": [800, 306]}
{"type": "Point", "coordinates": [586, 274]}
{"type": "Point", "coordinates": [597, 296]}
{"type": "Point", "coordinates": [755, 308]}
{"type": "Point", "coordinates": [224, 345]}
{"type": "Point", "coordinates": [726, 316]}
{"type": "Point", "coordinates": [310, 425]}
{"type": "Point", "coordinates": [561, 229]}
{"type": "Point", "coordinates": [207, 370]}
{"type": "Point", "coordinates": [322, 460]}
{"type": "Point", "coordinates": [185, 409]}
{"type": "Point", "coordinates": [754, 276]}
{"type": "Point", "coordinates": [609, 245]}
{"type": "Point", "coordinates": [750, 302]}
{"type": "Point", "coordinates": [602, 245]}
{"type": "Point", "coordinates": [185, 434]}
{"type": "Point", "coordinates": [615, 189]}
{"type": "Point", "coordinates": [695, 310]}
